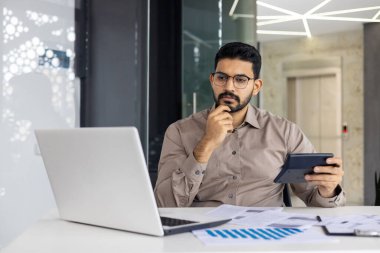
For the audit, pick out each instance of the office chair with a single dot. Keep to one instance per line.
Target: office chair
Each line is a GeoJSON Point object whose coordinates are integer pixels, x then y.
{"type": "Point", "coordinates": [286, 196]}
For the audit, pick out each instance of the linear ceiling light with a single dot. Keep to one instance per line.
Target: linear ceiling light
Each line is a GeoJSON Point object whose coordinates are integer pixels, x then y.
{"type": "Point", "coordinates": [304, 19]}
{"type": "Point", "coordinates": [269, 17]}
{"type": "Point", "coordinates": [233, 7]}
{"type": "Point", "coordinates": [317, 17]}
{"type": "Point", "coordinates": [281, 32]}
{"type": "Point", "coordinates": [376, 15]}
{"type": "Point", "coordinates": [317, 7]}
{"type": "Point", "coordinates": [307, 29]}
{"type": "Point", "coordinates": [289, 18]}
{"type": "Point", "coordinates": [309, 15]}
{"type": "Point", "coordinates": [277, 8]}
{"type": "Point", "coordinates": [243, 16]}
{"type": "Point", "coordinates": [348, 11]}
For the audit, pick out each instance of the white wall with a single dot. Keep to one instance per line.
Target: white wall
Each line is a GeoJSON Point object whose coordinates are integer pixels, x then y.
{"type": "Point", "coordinates": [33, 94]}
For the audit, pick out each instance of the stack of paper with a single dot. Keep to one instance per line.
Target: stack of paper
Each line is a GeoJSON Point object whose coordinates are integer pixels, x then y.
{"type": "Point", "coordinates": [263, 216]}
{"type": "Point", "coordinates": [347, 224]}
{"type": "Point", "coordinates": [252, 225]}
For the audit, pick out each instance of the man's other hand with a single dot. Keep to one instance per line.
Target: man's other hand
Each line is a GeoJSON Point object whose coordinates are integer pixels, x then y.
{"type": "Point", "coordinates": [327, 178]}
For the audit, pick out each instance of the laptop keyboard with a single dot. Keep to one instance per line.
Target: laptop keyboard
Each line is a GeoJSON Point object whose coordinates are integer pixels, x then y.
{"type": "Point", "coordinates": [171, 222]}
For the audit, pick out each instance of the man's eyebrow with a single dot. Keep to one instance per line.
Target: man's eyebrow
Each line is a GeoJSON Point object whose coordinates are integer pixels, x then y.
{"type": "Point", "coordinates": [242, 75]}
{"type": "Point", "coordinates": [239, 74]}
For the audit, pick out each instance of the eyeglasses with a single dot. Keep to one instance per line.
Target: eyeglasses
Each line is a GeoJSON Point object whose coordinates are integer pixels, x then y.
{"type": "Point", "coordinates": [239, 81]}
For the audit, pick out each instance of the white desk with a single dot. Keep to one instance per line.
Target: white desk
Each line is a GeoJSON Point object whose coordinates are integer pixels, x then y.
{"type": "Point", "coordinates": [51, 235]}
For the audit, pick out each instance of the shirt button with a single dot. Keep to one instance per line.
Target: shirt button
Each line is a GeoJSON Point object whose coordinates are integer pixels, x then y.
{"type": "Point", "coordinates": [234, 177]}
{"type": "Point", "coordinates": [234, 152]}
{"type": "Point", "coordinates": [183, 200]}
{"type": "Point", "coordinates": [197, 172]}
{"type": "Point", "coordinates": [230, 195]}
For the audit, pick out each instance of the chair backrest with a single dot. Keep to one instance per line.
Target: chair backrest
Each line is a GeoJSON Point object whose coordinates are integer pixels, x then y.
{"type": "Point", "coordinates": [286, 196]}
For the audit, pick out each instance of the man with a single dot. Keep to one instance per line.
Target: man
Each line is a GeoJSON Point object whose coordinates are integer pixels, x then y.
{"type": "Point", "coordinates": [231, 153]}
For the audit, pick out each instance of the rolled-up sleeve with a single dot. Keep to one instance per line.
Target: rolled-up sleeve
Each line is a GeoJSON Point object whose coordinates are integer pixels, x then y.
{"type": "Point", "coordinates": [310, 195]}
{"type": "Point", "coordinates": [179, 173]}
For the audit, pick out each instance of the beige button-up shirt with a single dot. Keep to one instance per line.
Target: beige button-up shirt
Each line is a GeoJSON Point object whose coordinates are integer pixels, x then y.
{"type": "Point", "coordinates": [239, 172]}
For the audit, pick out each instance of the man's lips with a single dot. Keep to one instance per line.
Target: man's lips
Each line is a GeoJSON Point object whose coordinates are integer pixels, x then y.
{"type": "Point", "coordinates": [228, 98]}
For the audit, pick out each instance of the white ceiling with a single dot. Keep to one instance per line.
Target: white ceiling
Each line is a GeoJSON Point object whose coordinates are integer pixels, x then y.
{"type": "Point", "coordinates": [305, 18]}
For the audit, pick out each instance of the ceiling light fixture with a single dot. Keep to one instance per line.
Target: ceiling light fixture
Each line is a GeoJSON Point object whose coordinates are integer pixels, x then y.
{"type": "Point", "coordinates": [243, 16]}
{"type": "Point", "coordinates": [233, 7]}
{"type": "Point", "coordinates": [317, 7]}
{"type": "Point", "coordinates": [275, 21]}
{"type": "Point", "coordinates": [316, 17]}
{"type": "Point", "coordinates": [307, 29]}
{"type": "Point", "coordinates": [309, 15]}
{"type": "Point", "coordinates": [348, 11]}
{"type": "Point", "coordinates": [268, 17]}
{"type": "Point", "coordinates": [279, 9]}
{"type": "Point", "coordinates": [281, 32]}
{"type": "Point", "coordinates": [376, 15]}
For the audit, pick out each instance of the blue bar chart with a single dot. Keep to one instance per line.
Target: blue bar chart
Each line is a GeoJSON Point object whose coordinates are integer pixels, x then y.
{"type": "Point", "coordinates": [253, 233]}
{"type": "Point", "coordinates": [259, 235]}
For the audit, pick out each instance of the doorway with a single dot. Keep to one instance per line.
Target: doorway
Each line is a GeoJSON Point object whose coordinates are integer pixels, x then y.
{"type": "Point", "coordinates": [314, 104]}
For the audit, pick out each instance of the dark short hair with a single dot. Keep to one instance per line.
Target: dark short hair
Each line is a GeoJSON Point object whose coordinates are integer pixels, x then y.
{"type": "Point", "coordinates": [241, 51]}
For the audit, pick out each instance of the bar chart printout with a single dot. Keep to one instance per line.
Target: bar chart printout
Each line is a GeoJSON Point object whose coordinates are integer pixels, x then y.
{"type": "Point", "coordinates": [257, 235]}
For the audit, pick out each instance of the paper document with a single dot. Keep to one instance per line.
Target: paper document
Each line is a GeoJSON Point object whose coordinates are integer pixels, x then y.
{"type": "Point", "coordinates": [347, 224]}
{"type": "Point", "coordinates": [296, 221]}
{"type": "Point", "coordinates": [263, 216]}
{"type": "Point", "coordinates": [259, 219]}
{"type": "Point", "coordinates": [227, 211]}
{"type": "Point", "coordinates": [252, 225]}
{"type": "Point", "coordinates": [249, 216]}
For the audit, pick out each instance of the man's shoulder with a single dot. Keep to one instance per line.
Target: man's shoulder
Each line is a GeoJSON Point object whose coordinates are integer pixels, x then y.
{"type": "Point", "coordinates": [267, 118]}
{"type": "Point", "coordinates": [284, 130]}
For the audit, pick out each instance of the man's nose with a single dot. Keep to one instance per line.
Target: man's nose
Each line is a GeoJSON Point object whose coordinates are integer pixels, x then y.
{"type": "Point", "coordinates": [230, 83]}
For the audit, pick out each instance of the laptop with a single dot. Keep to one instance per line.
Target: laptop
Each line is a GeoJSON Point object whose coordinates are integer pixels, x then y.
{"type": "Point", "coordinates": [99, 177]}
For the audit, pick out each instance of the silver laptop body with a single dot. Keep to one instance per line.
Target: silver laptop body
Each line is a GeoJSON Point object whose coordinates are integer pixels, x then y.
{"type": "Point", "coordinates": [99, 176]}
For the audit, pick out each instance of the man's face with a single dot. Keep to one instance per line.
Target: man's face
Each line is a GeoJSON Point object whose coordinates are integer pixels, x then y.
{"type": "Point", "coordinates": [235, 98]}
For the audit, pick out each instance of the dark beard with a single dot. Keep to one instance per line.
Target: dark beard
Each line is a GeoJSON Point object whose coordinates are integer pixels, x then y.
{"type": "Point", "coordinates": [236, 108]}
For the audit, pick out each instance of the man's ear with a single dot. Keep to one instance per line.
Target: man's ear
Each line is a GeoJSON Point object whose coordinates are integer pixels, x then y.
{"type": "Point", "coordinates": [257, 84]}
{"type": "Point", "coordinates": [211, 78]}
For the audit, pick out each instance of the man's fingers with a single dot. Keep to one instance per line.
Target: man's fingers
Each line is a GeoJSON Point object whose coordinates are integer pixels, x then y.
{"type": "Point", "coordinates": [220, 109]}
{"type": "Point", "coordinates": [325, 184]}
{"type": "Point", "coordinates": [335, 160]}
{"type": "Point", "coordinates": [223, 115]}
{"type": "Point", "coordinates": [327, 177]}
{"type": "Point", "coordinates": [328, 169]}
{"type": "Point", "coordinates": [225, 122]}
{"type": "Point", "coordinates": [323, 177]}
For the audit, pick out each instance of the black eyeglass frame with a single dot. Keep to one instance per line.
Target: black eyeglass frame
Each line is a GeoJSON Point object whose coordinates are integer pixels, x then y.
{"type": "Point", "coordinates": [233, 79]}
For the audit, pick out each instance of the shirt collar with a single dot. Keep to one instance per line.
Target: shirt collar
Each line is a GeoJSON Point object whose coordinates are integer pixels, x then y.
{"type": "Point", "coordinates": [251, 117]}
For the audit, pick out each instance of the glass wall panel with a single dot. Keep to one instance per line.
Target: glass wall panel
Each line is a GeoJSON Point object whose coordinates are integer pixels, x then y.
{"type": "Point", "coordinates": [37, 91]}
{"type": "Point", "coordinates": [207, 25]}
